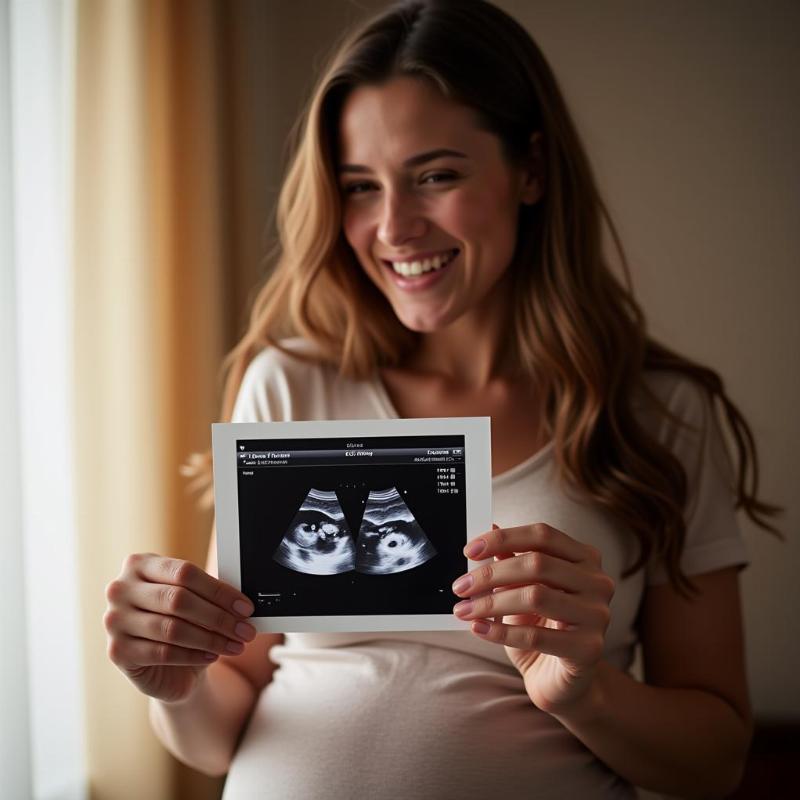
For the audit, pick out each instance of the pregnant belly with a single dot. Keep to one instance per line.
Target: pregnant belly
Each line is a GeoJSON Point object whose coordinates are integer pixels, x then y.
{"type": "Point", "coordinates": [393, 719]}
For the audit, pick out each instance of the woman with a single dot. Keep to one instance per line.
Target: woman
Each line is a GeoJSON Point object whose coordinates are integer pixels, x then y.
{"type": "Point", "coordinates": [440, 255]}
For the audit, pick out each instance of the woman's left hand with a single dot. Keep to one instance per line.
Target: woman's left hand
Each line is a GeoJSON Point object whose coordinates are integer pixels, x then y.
{"type": "Point", "coordinates": [546, 598]}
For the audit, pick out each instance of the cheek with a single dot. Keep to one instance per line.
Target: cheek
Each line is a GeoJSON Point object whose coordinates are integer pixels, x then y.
{"type": "Point", "coordinates": [355, 227]}
{"type": "Point", "coordinates": [351, 228]}
{"type": "Point", "coordinates": [481, 212]}
{"type": "Point", "coordinates": [358, 233]}
{"type": "Point", "coordinates": [490, 220]}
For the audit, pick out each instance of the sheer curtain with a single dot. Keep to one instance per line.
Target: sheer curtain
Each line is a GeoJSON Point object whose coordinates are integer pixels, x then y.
{"type": "Point", "coordinates": [41, 692]}
{"type": "Point", "coordinates": [15, 755]}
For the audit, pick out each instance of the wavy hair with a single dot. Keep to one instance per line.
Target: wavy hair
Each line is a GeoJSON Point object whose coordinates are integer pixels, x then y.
{"type": "Point", "coordinates": [576, 328]}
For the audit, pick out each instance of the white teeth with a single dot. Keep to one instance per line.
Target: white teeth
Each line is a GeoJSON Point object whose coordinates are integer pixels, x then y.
{"type": "Point", "coordinates": [408, 268]}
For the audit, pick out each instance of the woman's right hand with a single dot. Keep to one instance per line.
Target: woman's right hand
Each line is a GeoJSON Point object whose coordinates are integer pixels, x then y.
{"type": "Point", "coordinates": [168, 620]}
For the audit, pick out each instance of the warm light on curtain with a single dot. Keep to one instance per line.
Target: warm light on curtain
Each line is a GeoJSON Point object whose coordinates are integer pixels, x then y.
{"type": "Point", "coordinates": [154, 304]}
{"type": "Point", "coordinates": [120, 416]}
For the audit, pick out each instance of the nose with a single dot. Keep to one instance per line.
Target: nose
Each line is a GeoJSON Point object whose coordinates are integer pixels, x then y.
{"type": "Point", "coordinates": [400, 220]}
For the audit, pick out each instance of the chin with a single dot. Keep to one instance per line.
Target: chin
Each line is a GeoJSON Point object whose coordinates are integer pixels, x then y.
{"type": "Point", "coordinates": [425, 323]}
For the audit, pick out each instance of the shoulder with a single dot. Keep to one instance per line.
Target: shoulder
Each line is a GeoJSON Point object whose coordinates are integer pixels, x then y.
{"type": "Point", "coordinates": [294, 382]}
{"type": "Point", "coordinates": [281, 382]}
{"type": "Point", "coordinates": [684, 398]}
{"type": "Point", "coordinates": [293, 357]}
{"type": "Point", "coordinates": [713, 539]}
{"type": "Point", "coordinates": [673, 388]}
{"type": "Point", "coordinates": [695, 437]}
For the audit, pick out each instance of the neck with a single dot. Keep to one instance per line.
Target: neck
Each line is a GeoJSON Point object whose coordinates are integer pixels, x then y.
{"type": "Point", "coordinates": [471, 351]}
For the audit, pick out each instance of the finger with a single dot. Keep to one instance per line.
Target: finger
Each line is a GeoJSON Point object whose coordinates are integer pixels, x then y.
{"type": "Point", "coordinates": [177, 601]}
{"type": "Point", "coordinates": [177, 572]}
{"type": "Point", "coordinates": [538, 536]}
{"type": "Point", "coordinates": [501, 557]}
{"type": "Point", "coordinates": [525, 568]}
{"type": "Point", "coordinates": [572, 645]}
{"type": "Point", "coordinates": [539, 600]}
{"type": "Point", "coordinates": [130, 653]}
{"type": "Point", "coordinates": [170, 630]}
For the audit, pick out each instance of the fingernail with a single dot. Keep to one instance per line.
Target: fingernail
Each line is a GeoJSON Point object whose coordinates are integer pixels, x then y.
{"type": "Point", "coordinates": [462, 584]}
{"type": "Point", "coordinates": [244, 608]}
{"type": "Point", "coordinates": [234, 647]}
{"type": "Point", "coordinates": [474, 549]}
{"type": "Point", "coordinates": [463, 609]}
{"type": "Point", "coordinates": [481, 626]}
{"type": "Point", "coordinates": [244, 631]}
{"type": "Point", "coordinates": [210, 656]}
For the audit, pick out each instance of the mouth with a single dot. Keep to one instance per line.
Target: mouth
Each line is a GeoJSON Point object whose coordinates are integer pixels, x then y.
{"type": "Point", "coordinates": [417, 269]}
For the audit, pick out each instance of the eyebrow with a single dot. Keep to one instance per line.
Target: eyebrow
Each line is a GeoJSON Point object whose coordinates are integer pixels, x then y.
{"type": "Point", "coordinates": [414, 161]}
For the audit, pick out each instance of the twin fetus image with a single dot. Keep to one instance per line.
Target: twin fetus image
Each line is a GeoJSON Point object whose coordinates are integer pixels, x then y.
{"type": "Point", "coordinates": [319, 541]}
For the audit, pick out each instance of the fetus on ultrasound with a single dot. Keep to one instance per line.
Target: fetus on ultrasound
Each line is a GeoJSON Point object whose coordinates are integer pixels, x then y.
{"type": "Point", "coordinates": [318, 540]}
{"type": "Point", "coordinates": [390, 539]}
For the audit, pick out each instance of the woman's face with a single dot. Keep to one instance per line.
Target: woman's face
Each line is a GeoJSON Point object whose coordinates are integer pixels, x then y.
{"type": "Point", "coordinates": [430, 204]}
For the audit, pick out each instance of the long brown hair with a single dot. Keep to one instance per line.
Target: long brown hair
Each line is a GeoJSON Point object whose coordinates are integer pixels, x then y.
{"type": "Point", "coordinates": [576, 328]}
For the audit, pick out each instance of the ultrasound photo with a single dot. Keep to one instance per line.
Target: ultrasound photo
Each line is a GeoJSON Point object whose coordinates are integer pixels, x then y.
{"type": "Point", "coordinates": [390, 539]}
{"type": "Point", "coordinates": [318, 541]}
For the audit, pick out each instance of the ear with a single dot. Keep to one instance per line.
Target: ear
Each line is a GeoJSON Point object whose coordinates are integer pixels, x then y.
{"type": "Point", "coordinates": [532, 185]}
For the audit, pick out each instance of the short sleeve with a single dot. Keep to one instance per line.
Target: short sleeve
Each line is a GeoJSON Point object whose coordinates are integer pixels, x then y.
{"type": "Point", "coordinates": [713, 536]}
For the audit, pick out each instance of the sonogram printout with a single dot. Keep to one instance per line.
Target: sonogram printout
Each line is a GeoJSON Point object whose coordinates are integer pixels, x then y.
{"type": "Point", "coordinates": [351, 526]}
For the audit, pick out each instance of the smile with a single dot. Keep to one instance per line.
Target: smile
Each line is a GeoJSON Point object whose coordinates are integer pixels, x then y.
{"type": "Point", "coordinates": [422, 266]}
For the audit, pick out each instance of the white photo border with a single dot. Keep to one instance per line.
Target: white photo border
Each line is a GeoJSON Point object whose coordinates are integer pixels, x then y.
{"type": "Point", "coordinates": [478, 482]}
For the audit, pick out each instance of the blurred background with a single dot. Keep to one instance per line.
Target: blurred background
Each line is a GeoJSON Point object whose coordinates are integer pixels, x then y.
{"type": "Point", "coordinates": [142, 144]}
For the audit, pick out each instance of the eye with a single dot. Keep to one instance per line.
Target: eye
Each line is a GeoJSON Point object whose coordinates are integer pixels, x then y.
{"type": "Point", "coordinates": [438, 177]}
{"type": "Point", "coordinates": [358, 188]}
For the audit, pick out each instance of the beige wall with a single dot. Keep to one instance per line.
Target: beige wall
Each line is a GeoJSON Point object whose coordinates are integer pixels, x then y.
{"type": "Point", "coordinates": [689, 113]}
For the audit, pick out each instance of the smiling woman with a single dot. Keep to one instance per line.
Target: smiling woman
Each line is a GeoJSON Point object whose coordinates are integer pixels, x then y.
{"type": "Point", "coordinates": [441, 255]}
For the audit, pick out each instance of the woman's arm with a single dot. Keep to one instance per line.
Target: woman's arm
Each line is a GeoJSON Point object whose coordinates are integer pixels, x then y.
{"type": "Point", "coordinates": [204, 730]}
{"type": "Point", "coordinates": [687, 730]}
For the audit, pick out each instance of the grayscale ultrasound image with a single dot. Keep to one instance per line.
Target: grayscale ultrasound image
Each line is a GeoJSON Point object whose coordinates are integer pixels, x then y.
{"type": "Point", "coordinates": [390, 539]}
{"type": "Point", "coordinates": [318, 540]}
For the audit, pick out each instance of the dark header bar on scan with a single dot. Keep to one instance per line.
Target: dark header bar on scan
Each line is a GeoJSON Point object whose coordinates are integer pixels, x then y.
{"type": "Point", "coordinates": [361, 455]}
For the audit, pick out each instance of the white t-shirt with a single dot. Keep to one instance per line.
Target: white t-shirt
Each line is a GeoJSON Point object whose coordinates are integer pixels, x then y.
{"type": "Point", "coordinates": [433, 715]}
